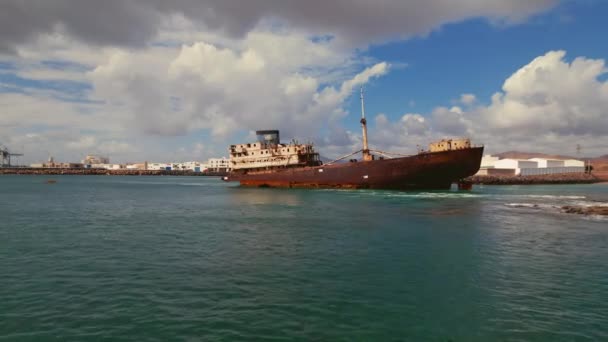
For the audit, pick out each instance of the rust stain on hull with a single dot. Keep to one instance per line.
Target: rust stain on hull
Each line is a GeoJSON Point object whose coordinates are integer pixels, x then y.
{"type": "Point", "coordinates": [424, 171]}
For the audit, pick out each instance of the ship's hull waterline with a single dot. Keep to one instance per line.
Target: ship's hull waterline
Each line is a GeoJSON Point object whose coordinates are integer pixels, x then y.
{"type": "Point", "coordinates": [432, 171]}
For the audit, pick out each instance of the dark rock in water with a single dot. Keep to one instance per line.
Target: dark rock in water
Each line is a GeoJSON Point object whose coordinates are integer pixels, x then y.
{"type": "Point", "coordinates": [568, 178]}
{"type": "Point", "coordinates": [593, 210]}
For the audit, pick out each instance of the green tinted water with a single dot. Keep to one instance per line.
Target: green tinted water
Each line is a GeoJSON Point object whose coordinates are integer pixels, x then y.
{"type": "Point", "coordinates": [171, 258]}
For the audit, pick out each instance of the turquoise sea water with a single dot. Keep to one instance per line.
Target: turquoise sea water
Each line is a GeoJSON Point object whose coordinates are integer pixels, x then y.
{"type": "Point", "coordinates": [188, 259]}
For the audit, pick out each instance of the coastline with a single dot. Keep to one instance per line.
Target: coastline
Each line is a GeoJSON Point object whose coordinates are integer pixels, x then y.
{"type": "Point", "coordinates": [578, 178]}
{"type": "Point", "coordinates": [572, 178]}
{"type": "Point", "coordinates": [104, 172]}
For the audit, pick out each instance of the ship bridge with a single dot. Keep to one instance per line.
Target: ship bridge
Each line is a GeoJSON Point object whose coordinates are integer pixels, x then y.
{"type": "Point", "coordinates": [268, 153]}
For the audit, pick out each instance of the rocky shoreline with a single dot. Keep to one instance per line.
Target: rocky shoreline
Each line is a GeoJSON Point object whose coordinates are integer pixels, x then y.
{"type": "Point", "coordinates": [103, 172]}
{"type": "Point", "coordinates": [568, 178]}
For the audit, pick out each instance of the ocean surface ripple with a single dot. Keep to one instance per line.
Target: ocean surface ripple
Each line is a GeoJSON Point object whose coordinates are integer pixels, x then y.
{"type": "Point", "coordinates": [189, 259]}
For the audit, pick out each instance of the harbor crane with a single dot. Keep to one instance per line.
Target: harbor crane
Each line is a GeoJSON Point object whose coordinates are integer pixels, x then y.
{"type": "Point", "coordinates": [5, 156]}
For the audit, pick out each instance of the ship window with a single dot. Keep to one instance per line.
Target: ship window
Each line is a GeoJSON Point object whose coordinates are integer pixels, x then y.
{"type": "Point", "coordinates": [248, 145]}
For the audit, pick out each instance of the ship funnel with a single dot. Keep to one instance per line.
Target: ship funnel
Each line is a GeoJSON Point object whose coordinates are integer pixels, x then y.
{"type": "Point", "coordinates": [268, 137]}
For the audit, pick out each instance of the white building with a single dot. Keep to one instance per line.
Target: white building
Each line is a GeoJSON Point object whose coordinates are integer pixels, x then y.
{"type": "Point", "coordinates": [542, 162]}
{"type": "Point", "coordinates": [137, 166]}
{"type": "Point", "coordinates": [488, 167]}
{"type": "Point", "coordinates": [188, 166]}
{"type": "Point", "coordinates": [218, 164]}
{"type": "Point", "coordinates": [555, 166]}
{"type": "Point", "coordinates": [574, 163]}
{"type": "Point", "coordinates": [213, 165]}
{"type": "Point", "coordinates": [530, 167]}
{"type": "Point", "coordinates": [95, 160]}
{"type": "Point", "coordinates": [552, 170]}
{"type": "Point", "coordinates": [177, 166]}
{"type": "Point", "coordinates": [160, 166]}
{"type": "Point", "coordinates": [105, 166]}
{"type": "Point", "coordinates": [488, 161]}
{"type": "Point", "coordinates": [516, 164]}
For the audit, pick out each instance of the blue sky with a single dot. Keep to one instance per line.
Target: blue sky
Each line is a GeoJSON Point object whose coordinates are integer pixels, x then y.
{"type": "Point", "coordinates": [179, 85]}
{"type": "Point", "coordinates": [476, 57]}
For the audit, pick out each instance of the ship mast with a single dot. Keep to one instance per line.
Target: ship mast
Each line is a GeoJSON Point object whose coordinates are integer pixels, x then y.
{"type": "Point", "coordinates": [366, 155]}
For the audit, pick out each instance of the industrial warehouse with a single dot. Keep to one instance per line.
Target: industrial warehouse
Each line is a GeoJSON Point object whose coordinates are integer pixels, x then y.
{"type": "Point", "coordinates": [494, 166]}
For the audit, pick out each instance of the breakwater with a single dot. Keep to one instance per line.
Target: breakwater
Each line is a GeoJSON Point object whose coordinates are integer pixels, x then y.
{"type": "Point", "coordinates": [567, 178]}
{"type": "Point", "coordinates": [602, 175]}
{"type": "Point", "coordinates": [98, 172]}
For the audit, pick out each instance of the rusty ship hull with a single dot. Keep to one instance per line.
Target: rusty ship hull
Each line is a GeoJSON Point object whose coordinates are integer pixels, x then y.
{"type": "Point", "coordinates": [431, 170]}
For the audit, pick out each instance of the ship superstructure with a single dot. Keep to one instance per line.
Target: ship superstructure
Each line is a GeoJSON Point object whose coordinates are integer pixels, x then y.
{"type": "Point", "coordinates": [267, 153]}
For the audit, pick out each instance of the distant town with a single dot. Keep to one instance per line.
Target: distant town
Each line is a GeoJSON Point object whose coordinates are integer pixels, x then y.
{"type": "Point", "coordinates": [212, 165]}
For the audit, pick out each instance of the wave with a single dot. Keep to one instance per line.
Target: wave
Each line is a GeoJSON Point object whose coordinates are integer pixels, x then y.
{"type": "Point", "coordinates": [441, 195]}
{"type": "Point", "coordinates": [181, 184]}
{"type": "Point", "coordinates": [419, 195]}
{"type": "Point", "coordinates": [532, 205]}
{"type": "Point", "coordinates": [553, 196]}
{"type": "Point", "coordinates": [202, 184]}
{"type": "Point", "coordinates": [596, 218]}
{"type": "Point", "coordinates": [559, 209]}
{"type": "Point", "coordinates": [590, 204]}
{"type": "Point", "coordinates": [432, 195]}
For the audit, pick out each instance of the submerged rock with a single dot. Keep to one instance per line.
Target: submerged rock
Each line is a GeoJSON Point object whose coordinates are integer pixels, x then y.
{"type": "Point", "coordinates": [593, 210]}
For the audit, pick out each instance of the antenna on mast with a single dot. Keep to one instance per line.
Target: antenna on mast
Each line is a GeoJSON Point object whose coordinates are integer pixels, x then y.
{"type": "Point", "coordinates": [366, 155]}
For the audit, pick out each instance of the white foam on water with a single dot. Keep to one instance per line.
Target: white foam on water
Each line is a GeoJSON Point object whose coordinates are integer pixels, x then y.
{"type": "Point", "coordinates": [531, 205]}
{"type": "Point", "coordinates": [201, 184]}
{"type": "Point", "coordinates": [170, 183]}
{"type": "Point", "coordinates": [589, 204]}
{"type": "Point", "coordinates": [596, 218]}
{"type": "Point", "coordinates": [397, 194]}
{"type": "Point", "coordinates": [554, 196]}
{"type": "Point", "coordinates": [424, 195]}
{"type": "Point", "coordinates": [522, 205]}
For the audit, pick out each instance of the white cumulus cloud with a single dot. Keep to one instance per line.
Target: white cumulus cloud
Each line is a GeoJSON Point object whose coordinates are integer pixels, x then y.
{"type": "Point", "coordinates": [254, 85]}
{"type": "Point", "coordinates": [548, 105]}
